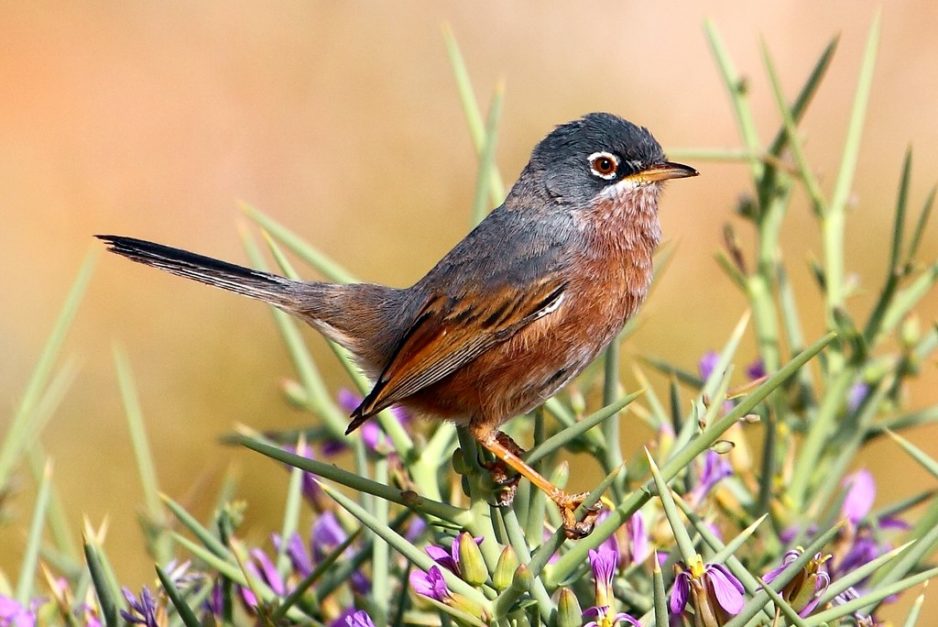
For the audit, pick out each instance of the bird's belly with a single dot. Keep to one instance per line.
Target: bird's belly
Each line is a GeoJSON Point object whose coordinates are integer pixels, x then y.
{"type": "Point", "coordinates": [522, 372]}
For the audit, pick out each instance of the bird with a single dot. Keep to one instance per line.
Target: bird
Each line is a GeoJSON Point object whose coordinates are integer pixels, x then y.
{"type": "Point", "coordinates": [512, 313]}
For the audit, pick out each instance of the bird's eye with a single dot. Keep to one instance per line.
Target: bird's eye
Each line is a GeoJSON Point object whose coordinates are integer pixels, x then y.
{"type": "Point", "coordinates": [604, 165]}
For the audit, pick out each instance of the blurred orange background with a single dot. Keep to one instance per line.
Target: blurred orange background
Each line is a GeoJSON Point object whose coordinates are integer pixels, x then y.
{"type": "Point", "coordinates": [342, 121]}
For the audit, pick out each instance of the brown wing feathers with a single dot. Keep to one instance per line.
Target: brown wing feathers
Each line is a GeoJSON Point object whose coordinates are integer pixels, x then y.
{"type": "Point", "coordinates": [449, 333]}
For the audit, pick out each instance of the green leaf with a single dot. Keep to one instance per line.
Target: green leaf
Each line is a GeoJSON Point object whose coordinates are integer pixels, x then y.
{"type": "Point", "coordinates": [487, 157]}
{"type": "Point", "coordinates": [321, 567]}
{"type": "Point", "coordinates": [906, 299]}
{"type": "Point", "coordinates": [519, 543]}
{"type": "Point", "coordinates": [633, 501]}
{"type": "Point", "coordinates": [185, 612]}
{"type": "Point", "coordinates": [872, 598]}
{"type": "Point", "coordinates": [736, 88]}
{"type": "Point", "coordinates": [317, 395]}
{"type": "Point", "coordinates": [918, 418]}
{"type": "Point", "coordinates": [405, 548]}
{"type": "Point", "coordinates": [314, 257]}
{"type": "Point", "coordinates": [24, 587]}
{"type": "Point", "coordinates": [206, 537]}
{"type": "Point", "coordinates": [20, 432]}
{"type": "Point", "coordinates": [854, 577]}
{"type": "Point", "coordinates": [101, 578]}
{"type": "Point", "coordinates": [567, 435]}
{"type": "Point", "coordinates": [444, 511]}
{"type": "Point", "coordinates": [920, 225]}
{"type": "Point", "coordinates": [758, 602]}
{"type": "Point", "coordinates": [806, 94]}
{"type": "Point", "coordinates": [794, 142]}
{"type": "Point", "coordinates": [910, 559]}
{"type": "Point", "coordinates": [470, 106]}
{"type": "Point", "coordinates": [785, 608]}
{"type": "Point", "coordinates": [684, 543]}
{"type": "Point", "coordinates": [894, 271]}
{"type": "Point", "coordinates": [146, 468]}
{"type": "Point", "coordinates": [833, 221]}
{"type": "Point", "coordinates": [291, 514]}
{"type": "Point", "coordinates": [661, 599]}
{"type": "Point", "coordinates": [912, 619]}
{"type": "Point", "coordinates": [916, 453]}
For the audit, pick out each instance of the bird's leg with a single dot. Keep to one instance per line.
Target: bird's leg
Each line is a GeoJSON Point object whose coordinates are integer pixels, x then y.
{"type": "Point", "coordinates": [506, 450]}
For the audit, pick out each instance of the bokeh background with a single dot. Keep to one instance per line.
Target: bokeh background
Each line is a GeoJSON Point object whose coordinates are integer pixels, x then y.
{"type": "Point", "coordinates": [342, 121]}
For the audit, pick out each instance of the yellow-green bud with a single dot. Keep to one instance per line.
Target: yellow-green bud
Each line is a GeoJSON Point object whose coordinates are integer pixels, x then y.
{"type": "Point", "coordinates": [505, 569]}
{"type": "Point", "coordinates": [295, 393]}
{"type": "Point", "coordinates": [468, 606]}
{"type": "Point", "coordinates": [577, 401]}
{"type": "Point", "coordinates": [459, 462]}
{"type": "Point", "coordinates": [523, 579]}
{"type": "Point", "coordinates": [910, 332]}
{"type": "Point", "coordinates": [569, 613]}
{"type": "Point", "coordinates": [471, 565]}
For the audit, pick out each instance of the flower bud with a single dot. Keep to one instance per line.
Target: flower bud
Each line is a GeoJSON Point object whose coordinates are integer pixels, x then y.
{"type": "Point", "coordinates": [505, 569]}
{"type": "Point", "coordinates": [569, 613]}
{"type": "Point", "coordinates": [523, 579]}
{"type": "Point", "coordinates": [577, 400]}
{"type": "Point", "coordinates": [910, 332]}
{"type": "Point", "coordinates": [459, 462]}
{"type": "Point", "coordinates": [295, 393]}
{"type": "Point", "coordinates": [468, 606]}
{"type": "Point", "coordinates": [471, 565]}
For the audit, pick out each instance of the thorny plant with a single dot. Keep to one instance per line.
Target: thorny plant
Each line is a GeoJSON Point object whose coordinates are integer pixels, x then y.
{"type": "Point", "coordinates": [704, 528]}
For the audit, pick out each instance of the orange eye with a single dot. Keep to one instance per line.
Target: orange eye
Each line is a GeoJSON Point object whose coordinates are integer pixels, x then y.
{"type": "Point", "coordinates": [604, 165]}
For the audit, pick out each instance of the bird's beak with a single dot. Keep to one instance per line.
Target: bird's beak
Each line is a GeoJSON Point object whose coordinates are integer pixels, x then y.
{"type": "Point", "coordinates": [665, 171]}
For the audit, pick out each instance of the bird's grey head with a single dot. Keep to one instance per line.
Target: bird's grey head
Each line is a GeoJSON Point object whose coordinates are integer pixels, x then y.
{"type": "Point", "coordinates": [596, 154]}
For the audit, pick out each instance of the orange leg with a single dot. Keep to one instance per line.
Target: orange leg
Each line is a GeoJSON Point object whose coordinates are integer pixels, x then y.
{"type": "Point", "coordinates": [506, 450]}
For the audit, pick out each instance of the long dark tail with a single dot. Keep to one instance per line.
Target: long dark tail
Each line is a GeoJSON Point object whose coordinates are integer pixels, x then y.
{"type": "Point", "coordinates": [263, 286]}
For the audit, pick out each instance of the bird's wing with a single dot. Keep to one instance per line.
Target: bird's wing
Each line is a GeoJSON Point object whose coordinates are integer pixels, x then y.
{"type": "Point", "coordinates": [449, 332]}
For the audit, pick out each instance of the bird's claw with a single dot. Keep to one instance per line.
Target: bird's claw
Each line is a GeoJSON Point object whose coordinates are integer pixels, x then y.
{"type": "Point", "coordinates": [575, 529]}
{"type": "Point", "coordinates": [506, 482]}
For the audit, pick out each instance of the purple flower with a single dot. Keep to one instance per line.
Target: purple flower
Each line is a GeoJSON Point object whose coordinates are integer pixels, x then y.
{"type": "Point", "coordinates": [861, 492]}
{"type": "Point", "coordinates": [13, 614]}
{"type": "Point", "coordinates": [296, 552]}
{"type": "Point", "coordinates": [707, 363]}
{"type": "Point", "coordinates": [639, 546]}
{"type": "Point", "coordinates": [449, 559]}
{"type": "Point", "coordinates": [863, 550]}
{"type": "Point", "coordinates": [415, 528]}
{"type": "Point", "coordinates": [327, 535]}
{"type": "Point", "coordinates": [603, 562]}
{"type": "Point", "coordinates": [714, 591]}
{"type": "Point", "coordinates": [429, 584]}
{"type": "Point", "coordinates": [353, 618]}
{"type": "Point", "coordinates": [262, 569]}
{"type": "Point", "coordinates": [756, 370]}
{"type": "Point", "coordinates": [142, 611]}
{"type": "Point", "coordinates": [805, 589]}
{"type": "Point", "coordinates": [602, 618]}
{"type": "Point", "coordinates": [311, 489]}
{"type": "Point", "coordinates": [857, 394]}
{"type": "Point", "coordinates": [715, 468]}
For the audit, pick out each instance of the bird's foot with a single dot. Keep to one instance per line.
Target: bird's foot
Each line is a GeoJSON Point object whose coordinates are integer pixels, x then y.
{"type": "Point", "coordinates": [568, 503]}
{"type": "Point", "coordinates": [505, 482]}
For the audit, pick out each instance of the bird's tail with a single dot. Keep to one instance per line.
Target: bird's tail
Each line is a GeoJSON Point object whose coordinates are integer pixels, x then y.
{"type": "Point", "coordinates": [263, 286]}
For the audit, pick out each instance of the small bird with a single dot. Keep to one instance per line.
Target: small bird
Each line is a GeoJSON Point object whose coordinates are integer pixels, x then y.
{"type": "Point", "coordinates": [514, 311]}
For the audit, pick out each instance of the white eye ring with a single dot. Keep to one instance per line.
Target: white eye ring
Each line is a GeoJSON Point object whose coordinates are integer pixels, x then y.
{"type": "Point", "coordinates": [600, 165]}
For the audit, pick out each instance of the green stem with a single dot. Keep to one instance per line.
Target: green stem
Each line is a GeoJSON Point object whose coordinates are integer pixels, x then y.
{"type": "Point", "coordinates": [818, 433]}
{"type": "Point", "coordinates": [612, 452]}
